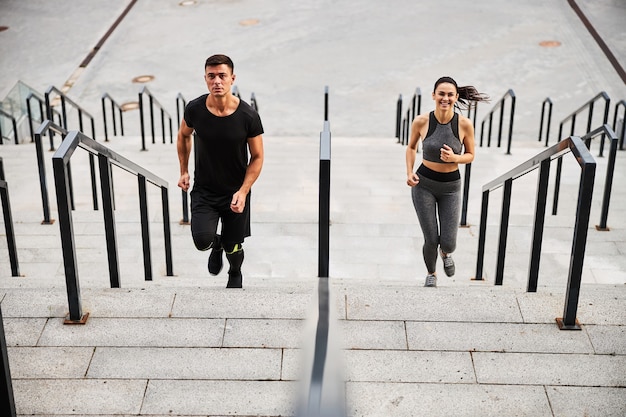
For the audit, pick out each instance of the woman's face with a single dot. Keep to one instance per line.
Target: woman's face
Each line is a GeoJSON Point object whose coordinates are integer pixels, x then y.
{"type": "Point", "coordinates": [445, 95]}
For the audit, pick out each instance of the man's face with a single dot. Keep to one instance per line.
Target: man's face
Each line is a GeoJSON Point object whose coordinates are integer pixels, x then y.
{"type": "Point", "coordinates": [219, 79]}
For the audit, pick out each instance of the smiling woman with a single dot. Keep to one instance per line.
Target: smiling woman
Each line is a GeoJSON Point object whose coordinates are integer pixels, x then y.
{"type": "Point", "coordinates": [435, 187]}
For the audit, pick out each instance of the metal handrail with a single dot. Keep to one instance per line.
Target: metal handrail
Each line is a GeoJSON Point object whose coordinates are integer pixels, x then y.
{"type": "Point", "coordinates": [318, 403]}
{"type": "Point", "coordinates": [399, 118]}
{"type": "Point", "coordinates": [589, 105]}
{"type": "Point", "coordinates": [106, 158]}
{"type": "Point", "coordinates": [45, 127]}
{"type": "Point", "coordinates": [184, 194]}
{"type": "Point", "coordinates": [8, 222]}
{"type": "Point", "coordinates": [114, 106]}
{"type": "Point", "coordinates": [49, 112]}
{"type": "Point", "coordinates": [500, 105]}
{"type": "Point", "coordinates": [622, 135]}
{"type": "Point", "coordinates": [577, 147]}
{"type": "Point", "coordinates": [610, 169]}
{"type": "Point", "coordinates": [42, 114]}
{"type": "Point", "coordinates": [153, 102]}
{"type": "Point", "coordinates": [548, 102]}
{"type": "Point", "coordinates": [13, 122]}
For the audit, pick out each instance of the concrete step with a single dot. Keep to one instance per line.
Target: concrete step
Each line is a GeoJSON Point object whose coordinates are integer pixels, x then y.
{"type": "Point", "coordinates": [374, 230]}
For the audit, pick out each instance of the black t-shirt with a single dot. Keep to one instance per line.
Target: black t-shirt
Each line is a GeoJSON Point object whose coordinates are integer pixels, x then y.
{"type": "Point", "coordinates": [221, 155]}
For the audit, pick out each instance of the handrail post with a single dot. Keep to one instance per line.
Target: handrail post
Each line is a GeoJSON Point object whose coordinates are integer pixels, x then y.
{"type": "Point", "coordinates": [109, 220]}
{"type": "Point", "coordinates": [7, 400]}
{"type": "Point", "coordinates": [167, 235]}
{"type": "Point", "coordinates": [504, 229]}
{"type": "Point", "coordinates": [141, 122]}
{"type": "Point", "coordinates": [324, 202]}
{"type": "Point", "coordinates": [583, 211]}
{"type": "Point", "coordinates": [145, 229]}
{"type": "Point", "coordinates": [398, 117]}
{"type": "Point", "coordinates": [104, 118]}
{"type": "Point", "coordinates": [538, 225]}
{"type": "Point", "coordinates": [548, 102]}
{"type": "Point", "coordinates": [8, 223]}
{"type": "Point", "coordinates": [605, 120]}
{"type": "Point", "coordinates": [67, 242]}
{"type": "Point", "coordinates": [482, 232]}
{"type": "Point", "coordinates": [512, 117]}
{"type": "Point", "coordinates": [326, 103]}
{"type": "Point", "coordinates": [621, 136]}
{"type": "Point", "coordinates": [42, 180]}
{"type": "Point", "coordinates": [466, 186]}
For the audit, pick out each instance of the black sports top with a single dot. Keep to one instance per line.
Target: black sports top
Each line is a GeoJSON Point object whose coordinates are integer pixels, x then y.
{"type": "Point", "coordinates": [221, 149]}
{"type": "Point", "coordinates": [440, 134]}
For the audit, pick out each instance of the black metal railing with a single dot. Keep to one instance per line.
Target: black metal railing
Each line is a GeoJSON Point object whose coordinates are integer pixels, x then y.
{"type": "Point", "coordinates": [64, 124]}
{"type": "Point", "coordinates": [500, 106]}
{"type": "Point", "coordinates": [181, 103]}
{"type": "Point", "coordinates": [324, 395]}
{"type": "Point", "coordinates": [49, 127]}
{"type": "Point", "coordinates": [8, 222]}
{"type": "Point", "coordinates": [42, 115]}
{"type": "Point", "coordinates": [472, 112]}
{"type": "Point", "coordinates": [114, 106]}
{"type": "Point", "coordinates": [587, 164]}
{"type": "Point", "coordinates": [13, 124]}
{"type": "Point", "coordinates": [324, 202]}
{"type": "Point", "coordinates": [403, 125]}
{"type": "Point", "coordinates": [622, 135]}
{"type": "Point", "coordinates": [7, 401]}
{"type": "Point", "coordinates": [546, 102]}
{"type": "Point", "coordinates": [152, 103]}
{"type": "Point", "coordinates": [610, 169]}
{"type": "Point", "coordinates": [106, 159]}
{"type": "Point", "coordinates": [589, 107]}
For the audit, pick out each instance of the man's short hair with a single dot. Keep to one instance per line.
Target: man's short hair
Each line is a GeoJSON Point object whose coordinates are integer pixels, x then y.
{"type": "Point", "coordinates": [219, 59]}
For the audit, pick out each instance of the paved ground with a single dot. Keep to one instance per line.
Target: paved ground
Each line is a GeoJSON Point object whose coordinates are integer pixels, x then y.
{"type": "Point", "coordinates": [186, 346]}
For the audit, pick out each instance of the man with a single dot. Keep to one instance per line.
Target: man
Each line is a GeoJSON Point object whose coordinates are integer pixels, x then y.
{"type": "Point", "coordinates": [227, 128]}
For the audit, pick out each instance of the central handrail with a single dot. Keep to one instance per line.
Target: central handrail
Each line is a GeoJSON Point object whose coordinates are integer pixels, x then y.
{"type": "Point", "coordinates": [106, 158]}
{"type": "Point", "coordinates": [153, 101]}
{"type": "Point", "coordinates": [500, 105]}
{"type": "Point", "coordinates": [622, 135]}
{"type": "Point", "coordinates": [587, 164]}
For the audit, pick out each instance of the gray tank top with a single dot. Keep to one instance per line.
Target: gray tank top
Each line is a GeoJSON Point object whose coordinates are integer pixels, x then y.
{"type": "Point", "coordinates": [440, 134]}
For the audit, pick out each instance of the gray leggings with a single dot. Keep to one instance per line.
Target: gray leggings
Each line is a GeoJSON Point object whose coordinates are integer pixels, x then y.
{"type": "Point", "coordinates": [430, 198]}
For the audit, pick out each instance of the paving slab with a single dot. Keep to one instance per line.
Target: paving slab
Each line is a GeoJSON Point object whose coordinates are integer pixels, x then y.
{"type": "Point", "coordinates": [377, 399]}
{"type": "Point", "coordinates": [490, 337]}
{"type": "Point", "coordinates": [272, 398]}
{"type": "Point", "coordinates": [588, 401]}
{"type": "Point", "coordinates": [186, 363]}
{"type": "Point", "coordinates": [550, 369]}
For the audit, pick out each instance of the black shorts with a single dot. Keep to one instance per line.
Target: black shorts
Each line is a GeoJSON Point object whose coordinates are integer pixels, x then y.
{"type": "Point", "coordinates": [207, 209]}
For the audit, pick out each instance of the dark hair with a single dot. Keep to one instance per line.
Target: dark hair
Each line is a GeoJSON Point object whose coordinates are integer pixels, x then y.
{"type": "Point", "coordinates": [468, 95]}
{"type": "Point", "coordinates": [219, 59]}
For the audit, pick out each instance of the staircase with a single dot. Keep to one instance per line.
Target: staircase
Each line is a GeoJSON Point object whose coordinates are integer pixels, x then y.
{"type": "Point", "coordinates": [184, 345]}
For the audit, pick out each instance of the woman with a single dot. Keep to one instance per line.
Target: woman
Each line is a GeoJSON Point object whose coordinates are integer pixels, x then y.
{"type": "Point", "coordinates": [448, 140]}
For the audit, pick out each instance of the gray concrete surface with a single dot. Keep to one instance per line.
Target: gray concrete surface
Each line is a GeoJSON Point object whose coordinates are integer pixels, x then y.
{"type": "Point", "coordinates": [186, 346]}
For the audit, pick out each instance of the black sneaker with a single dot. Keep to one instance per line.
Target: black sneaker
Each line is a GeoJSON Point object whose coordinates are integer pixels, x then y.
{"type": "Point", "coordinates": [431, 281]}
{"type": "Point", "coordinates": [448, 263]}
{"type": "Point", "coordinates": [235, 280]}
{"type": "Point", "coordinates": [216, 261]}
